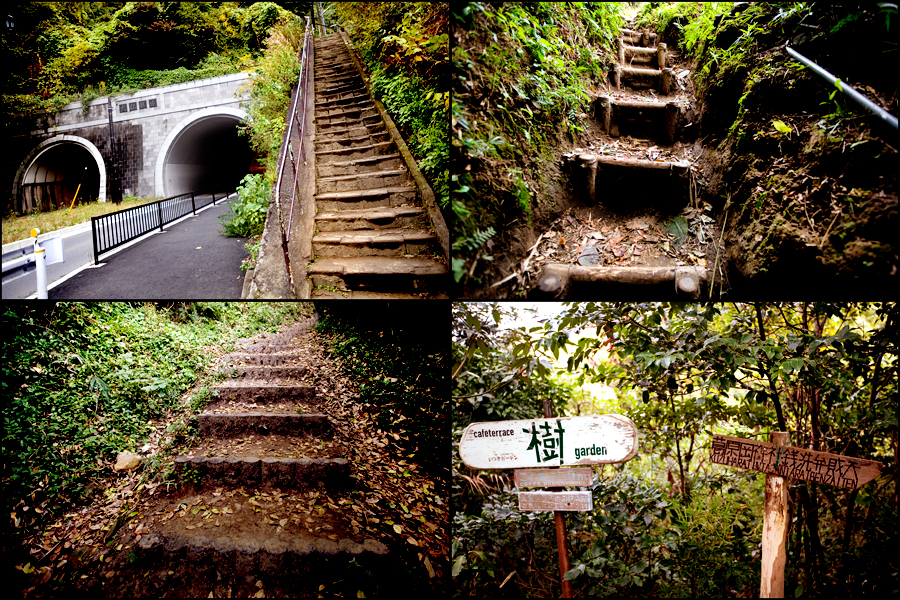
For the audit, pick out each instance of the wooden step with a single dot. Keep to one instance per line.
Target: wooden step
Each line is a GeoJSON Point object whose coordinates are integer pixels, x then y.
{"type": "Point", "coordinates": [240, 424]}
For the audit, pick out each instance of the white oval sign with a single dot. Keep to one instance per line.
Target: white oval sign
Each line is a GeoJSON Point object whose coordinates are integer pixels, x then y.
{"type": "Point", "coordinates": [591, 440]}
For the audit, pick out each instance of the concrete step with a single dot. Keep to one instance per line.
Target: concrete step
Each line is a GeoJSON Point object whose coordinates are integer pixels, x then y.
{"type": "Point", "coordinates": [336, 168]}
{"type": "Point", "coordinates": [262, 372]}
{"type": "Point", "coordinates": [372, 218]}
{"type": "Point", "coordinates": [366, 120]}
{"type": "Point", "coordinates": [362, 128]}
{"type": "Point", "coordinates": [363, 181]}
{"type": "Point", "coordinates": [341, 99]}
{"type": "Point", "coordinates": [272, 360]}
{"type": "Point", "coordinates": [268, 473]}
{"type": "Point", "coordinates": [379, 266]}
{"type": "Point", "coordinates": [365, 150]}
{"type": "Point", "coordinates": [334, 143]}
{"type": "Point", "coordinates": [323, 294]}
{"type": "Point", "coordinates": [355, 110]}
{"type": "Point", "coordinates": [362, 199]}
{"type": "Point", "coordinates": [293, 564]}
{"type": "Point", "coordinates": [239, 424]}
{"type": "Point", "coordinates": [379, 242]}
{"type": "Point", "coordinates": [262, 393]}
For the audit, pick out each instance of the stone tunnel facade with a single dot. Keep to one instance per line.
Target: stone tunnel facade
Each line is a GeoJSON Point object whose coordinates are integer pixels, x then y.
{"type": "Point", "coordinates": [169, 140]}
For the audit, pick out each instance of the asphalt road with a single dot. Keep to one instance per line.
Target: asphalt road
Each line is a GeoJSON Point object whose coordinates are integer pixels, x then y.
{"type": "Point", "coordinates": [189, 260]}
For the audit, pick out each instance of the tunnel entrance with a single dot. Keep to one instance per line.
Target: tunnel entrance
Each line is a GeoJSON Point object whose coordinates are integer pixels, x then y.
{"type": "Point", "coordinates": [206, 154]}
{"type": "Point", "coordinates": [53, 178]}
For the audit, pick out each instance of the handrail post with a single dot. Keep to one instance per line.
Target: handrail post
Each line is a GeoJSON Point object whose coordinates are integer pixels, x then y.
{"type": "Point", "coordinates": [193, 206]}
{"type": "Point", "coordinates": [159, 211]}
{"type": "Point", "coordinates": [94, 236]}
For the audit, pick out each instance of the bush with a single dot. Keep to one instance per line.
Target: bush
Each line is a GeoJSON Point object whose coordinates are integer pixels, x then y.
{"type": "Point", "coordinates": [248, 214]}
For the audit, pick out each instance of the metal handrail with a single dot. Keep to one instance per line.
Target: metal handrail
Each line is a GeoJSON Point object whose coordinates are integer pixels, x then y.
{"type": "Point", "coordinates": [286, 148]}
{"type": "Point", "coordinates": [112, 230]}
{"type": "Point", "coordinates": [886, 117]}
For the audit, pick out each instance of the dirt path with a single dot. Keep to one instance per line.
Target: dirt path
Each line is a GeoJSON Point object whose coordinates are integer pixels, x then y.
{"type": "Point", "coordinates": [641, 225]}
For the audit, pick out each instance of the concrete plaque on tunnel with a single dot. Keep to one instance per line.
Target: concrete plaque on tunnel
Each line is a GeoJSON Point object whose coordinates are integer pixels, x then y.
{"type": "Point", "coordinates": [591, 440]}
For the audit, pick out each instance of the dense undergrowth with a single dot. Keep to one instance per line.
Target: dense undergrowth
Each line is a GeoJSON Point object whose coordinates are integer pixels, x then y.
{"type": "Point", "coordinates": [405, 47]}
{"type": "Point", "coordinates": [399, 372]}
{"type": "Point", "coordinates": [805, 176]}
{"type": "Point", "coordinates": [522, 73]}
{"type": "Point", "coordinates": [669, 523]}
{"type": "Point", "coordinates": [81, 381]}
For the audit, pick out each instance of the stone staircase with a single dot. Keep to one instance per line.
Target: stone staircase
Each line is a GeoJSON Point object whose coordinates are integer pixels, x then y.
{"type": "Point", "coordinates": [637, 175]}
{"type": "Point", "coordinates": [259, 502]}
{"type": "Point", "coordinates": [373, 237]}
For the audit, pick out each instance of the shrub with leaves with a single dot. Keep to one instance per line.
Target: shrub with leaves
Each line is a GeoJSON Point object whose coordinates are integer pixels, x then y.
{"type": "Point", "coordinates": [248, 214]}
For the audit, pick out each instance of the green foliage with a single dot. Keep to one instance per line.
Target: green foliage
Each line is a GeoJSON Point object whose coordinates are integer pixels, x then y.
{"type": "Point", "coordinates": [405, 47]}
{"type": "Point", "coordinates": [248, 213]}
{"type": "Point", "coordinates": [421, 113]}
{"type": "Point", "coordinates": [270, 91]}
{"type": "Point", "coordinates": [81, 382]}
{"type": "Point", "coordinates": [682, 372]}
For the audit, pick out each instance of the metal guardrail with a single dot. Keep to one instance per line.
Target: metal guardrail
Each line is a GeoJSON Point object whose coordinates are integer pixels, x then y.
{"type": "Point", "coordinates": [113, 229]}
{"type": "Point", "coordinates": [287, 147]}
{"type": "Point", "coordinates": [886, 117]}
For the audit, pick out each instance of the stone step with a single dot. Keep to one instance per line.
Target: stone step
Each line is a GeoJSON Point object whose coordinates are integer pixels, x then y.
{"type": "Point", "coordinates": [354, 99]}
{"type": "Point", "coordinates": [262, 393]}
{"type": "Point", "coordinates": [355, 110]}
{"type": "Point", "coordinates": [263, 372]}
{"type": "Point", "coordinates": [362, 181]}
{"type": "Point", "coordinates": [323, 294]}
{"type": "Point", "coordinates": [372, 218]}
{"type": "Point", "coordinates": [366, 120]}
{"type": "Point", "coordinates": [379, 242]}
{"type": "Point", "coordinates": [239, 424]}
{"type": "Point", "coordinates": [377, 266]}
{"type": "Point", "coordinates": [268, 473]}
{"type": "Point", "coordinates": [357, 129]}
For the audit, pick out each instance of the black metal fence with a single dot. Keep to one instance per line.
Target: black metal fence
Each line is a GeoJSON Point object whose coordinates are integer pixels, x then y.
{"type": "Point", "coordinates": [111, 230]}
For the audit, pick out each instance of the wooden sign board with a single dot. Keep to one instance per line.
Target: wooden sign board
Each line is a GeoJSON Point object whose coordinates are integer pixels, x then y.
{"type": "Point", "coordinates": [555, 442]}
{"type": "Point", "coordinates": [796, 463]}
{"type": "Point", "coordinates": [529, 478]}
{"type": "Point", "coordinates": [574, 501]}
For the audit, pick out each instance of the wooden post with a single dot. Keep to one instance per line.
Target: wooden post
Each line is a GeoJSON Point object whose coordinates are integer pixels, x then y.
{"type": "Point", "coordinates": [560, 521]}
{"type": "Point", "coordinates": [645, 39]}
{"type": "Point", "coordinates": [667, 82]}
{"type": "Point", "coordinates": [620, 48]}
{"type": "Point", "coordinates": [661, 56]}
{"type": "Point", "coordinates": [671, 121]}
{"type": "Point", "coordinates": [589, 172]}
{"type": "Point", "coordinates": [605, 109]}
{"type": "Point", "coordinates": [617, 76]}
{"type": "Point", "coordinates": [775, 524]}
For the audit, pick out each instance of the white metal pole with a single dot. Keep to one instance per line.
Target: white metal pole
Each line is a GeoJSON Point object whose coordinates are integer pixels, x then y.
{"type": "Point", "coordinates": [40, 262]}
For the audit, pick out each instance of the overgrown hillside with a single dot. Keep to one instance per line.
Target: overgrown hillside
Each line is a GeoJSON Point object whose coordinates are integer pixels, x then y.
{"type": "Point", "coordinates": [807, 179]}
{"type": "Point", "coordinates": [524, 75]}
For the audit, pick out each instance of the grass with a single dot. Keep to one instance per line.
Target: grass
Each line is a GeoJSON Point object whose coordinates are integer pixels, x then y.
{"type": "Point", "coordinates": [19, 228]}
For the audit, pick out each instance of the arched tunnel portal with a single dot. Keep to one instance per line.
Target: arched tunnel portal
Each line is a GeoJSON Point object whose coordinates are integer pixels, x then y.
{"type": "Point", "coordinates": [58, 169]}
{"type": "Point", "coordinates": [204, 152]}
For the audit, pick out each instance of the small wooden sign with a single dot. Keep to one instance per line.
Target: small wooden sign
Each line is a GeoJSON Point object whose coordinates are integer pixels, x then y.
{"type": "Point", "coordinates": [529, 478]}
{"type": "Point", "coordinates": [796, 463]}
{"type": "Point", "coordinates": [591, 440]}
{"type": "Point", "coordinates": [573, 501]}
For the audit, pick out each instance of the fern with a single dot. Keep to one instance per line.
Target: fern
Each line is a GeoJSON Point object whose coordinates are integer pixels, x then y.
{"type": "Point", "coordinates": [478, 239]}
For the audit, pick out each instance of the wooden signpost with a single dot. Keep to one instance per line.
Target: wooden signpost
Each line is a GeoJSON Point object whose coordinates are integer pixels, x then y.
{"type": "Point", "coordinates": [779, 460]}
{"type": "Point", "coordinates": [551, 442]}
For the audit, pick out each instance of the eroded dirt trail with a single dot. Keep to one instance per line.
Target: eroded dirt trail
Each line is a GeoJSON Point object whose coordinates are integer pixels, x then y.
{"type": "Point", "coordinates": [641, 223]}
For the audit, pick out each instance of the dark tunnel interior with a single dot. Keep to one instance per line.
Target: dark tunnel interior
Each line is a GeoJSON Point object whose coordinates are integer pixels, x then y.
{"type": "Point", "coordinates": [208, 154]}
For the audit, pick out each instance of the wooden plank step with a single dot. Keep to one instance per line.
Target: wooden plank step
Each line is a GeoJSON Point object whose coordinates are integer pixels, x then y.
{"type": "Point", "coordinates": [367, 159]}
{"type": "Point", "coordinates": [387, 173]}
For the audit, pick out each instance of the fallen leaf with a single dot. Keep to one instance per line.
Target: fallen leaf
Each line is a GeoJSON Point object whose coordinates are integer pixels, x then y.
{"type": "Point", "coordinates": [198, 247]}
